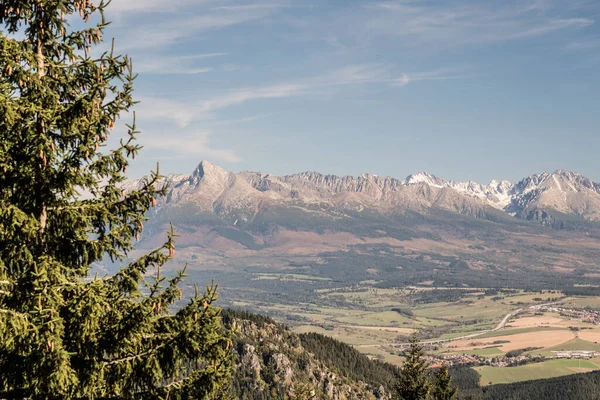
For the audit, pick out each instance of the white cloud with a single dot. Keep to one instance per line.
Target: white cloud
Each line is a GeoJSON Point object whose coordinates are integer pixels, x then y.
{"type": "Point", "coordinates": [150, 6]}
{"type": "Point", "coordinates": [190, 144]}
{"type": "Point", "coordinates": [180, 21]}
{"type": "Point", "coordinates": [403, 80]}
{"type": "Point", "coordinates": [185, 113]}
{"type": "Point", "coordinates": [246, 7]}
{"type": "Point", "coordinates": [241, 120]}
{"type": "Point", "coordinates": [202, 56]}
{"type": "Point", "coordinates": [453, 23]}
{"type": "Point", "coordinates": [583, 45]}
{"type": "Point", "coordinates": [356, 74]}
{"type": "Point", "coordinates": [171, 64]}
{"type": "Point", "coordinates": [435, 75]}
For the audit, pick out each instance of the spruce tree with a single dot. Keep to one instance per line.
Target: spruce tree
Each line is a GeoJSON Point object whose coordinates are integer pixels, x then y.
{"type": "Point", "coordinates": [413, 382]}
{"type": "Point", "coordinates": [442, 385]}
{"type": "Point", "coordinates": [64, 334]}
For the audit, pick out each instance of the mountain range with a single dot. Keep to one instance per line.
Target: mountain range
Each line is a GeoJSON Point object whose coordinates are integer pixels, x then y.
{"type": "Point", "coordinates": [552, 199]}
{"type": "Point", "coordinates": [541, 232]}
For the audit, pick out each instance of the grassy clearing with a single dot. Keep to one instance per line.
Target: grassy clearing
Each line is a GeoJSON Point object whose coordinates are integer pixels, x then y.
{"type": "Point", "coordinates": [510, 332]}
{"type": "Point", "coordinates": [582, 302]}
{"type": "Point", "coordinates": [480, 309]}
{"type": "Point", "coordinates": [381, 354]}
{"type": "Point", "coordinates": [529, 298]}
{"type": "Point", "coordinates": [575, 344]}
{"type": "Point", "coordinates": [289, 277]}
{"type": "Point", "coordinates": [385, 318]}
{"type": "Point", "coordinates": [547, 369]}
{"type": "Point", "coordinates": [486, 352]}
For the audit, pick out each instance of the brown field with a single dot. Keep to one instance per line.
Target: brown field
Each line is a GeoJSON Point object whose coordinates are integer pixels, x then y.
{"type": "Point", "coordinates": [519, 341]}
{"type": "Point", "coordinates": [590, 336]}
{"type": "Point", "coordinates": [550, 319]}
{"type": "Point", "coordinates": [539, 320]}
{"type": "Point", "coordinates": [582, 370]}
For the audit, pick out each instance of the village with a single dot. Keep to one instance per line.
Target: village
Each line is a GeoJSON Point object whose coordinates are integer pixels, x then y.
{"type": "Point", "coordinates": [475, 360]}
{"type": "Point", "coordinates": [581, 315]}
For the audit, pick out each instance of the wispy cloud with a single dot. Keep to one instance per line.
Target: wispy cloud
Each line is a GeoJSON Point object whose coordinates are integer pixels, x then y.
{"type": "Point", "coordinates": [150, 6]}
{"type": "Point", "coordinates": [435, 75]}
{"type": "Point", "coordinates": [584, 45]}
{"type": "Point", "coordinates": [244, 120]}
{"type": "Point", "coordinates": [246, 7]}
{"type": "Point", "coordinates": [195, 145]}
{"type": "Point", "coordinates": [452, 23]}
{"type": "Point", "coordinates": [185, 113]}
{"type": "Point", "coordinates": [181, 20]}
{"type": "Point", "coordinates": [174, 64]}
{"type": "Point", "coordinates": [203, 56]}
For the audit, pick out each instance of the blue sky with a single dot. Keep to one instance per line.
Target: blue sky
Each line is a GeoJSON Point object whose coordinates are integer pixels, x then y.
{"type": "Point", "coordinates": [464, 89]}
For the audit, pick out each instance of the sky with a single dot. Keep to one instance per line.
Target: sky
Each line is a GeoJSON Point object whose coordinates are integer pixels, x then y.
{"type": "Point", "coordinates": [466, 89]}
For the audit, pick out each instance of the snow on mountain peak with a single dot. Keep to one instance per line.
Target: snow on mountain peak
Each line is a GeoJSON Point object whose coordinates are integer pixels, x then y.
{"type": "Point", "coordinates": [564, 191]}
{"type": "Point", "coordinates": [424, 177]}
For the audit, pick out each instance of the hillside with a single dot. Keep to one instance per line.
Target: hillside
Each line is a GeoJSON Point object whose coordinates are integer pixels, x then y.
{"type": "Point", "coordinates": [273, 363]}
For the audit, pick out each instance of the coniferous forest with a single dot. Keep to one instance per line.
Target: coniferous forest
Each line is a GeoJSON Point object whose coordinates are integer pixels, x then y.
{"type": "Point", "coordinates": [66, 334]}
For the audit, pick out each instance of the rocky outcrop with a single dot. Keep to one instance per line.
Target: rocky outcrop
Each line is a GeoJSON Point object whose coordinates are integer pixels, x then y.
{"type": "Point", "coordinates": [272, 363]}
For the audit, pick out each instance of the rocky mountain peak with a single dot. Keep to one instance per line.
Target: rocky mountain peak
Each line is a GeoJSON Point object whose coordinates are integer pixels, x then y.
{"type": "Point", "coordinates": [210, 175]}
{"type": "Point", "coordinates": [561, 180]}
{"type": "Point", "coordinates": [424, 177]}
{"type": "Point", "coordinates": [574, 178]}
{"type": "Point", "coordinates": [214, 189]}
{"type": "Point", "coordinates": [207, 168]}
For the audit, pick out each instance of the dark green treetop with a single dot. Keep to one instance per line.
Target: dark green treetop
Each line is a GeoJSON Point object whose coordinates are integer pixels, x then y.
{"type": "Point", "coordinates": [413, 382]}
{"type": "Point", "coordinates": [64, 334]}
{"type": "Point", "coordinates": [442, 385]}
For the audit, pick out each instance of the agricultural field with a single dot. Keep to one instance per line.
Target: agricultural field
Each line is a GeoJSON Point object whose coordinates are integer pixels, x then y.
{"type": "Point", "coordinates": [547, 369]}
{"type": "Point", "coordinates": [452, 322]}
{"type": "Point", "coordinates": [543, 338]}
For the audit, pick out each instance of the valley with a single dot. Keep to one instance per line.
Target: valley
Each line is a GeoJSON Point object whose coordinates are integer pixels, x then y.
{"type": "Point", "coordinates": [481, 272]}
{"type": "Point", "coordinates": [476, 330]}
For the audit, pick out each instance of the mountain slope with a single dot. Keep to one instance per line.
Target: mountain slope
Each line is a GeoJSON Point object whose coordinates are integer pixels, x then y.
{"type": "Point", "coordinates": [239, 198]}
{"type": "Point", "coordinates": [396, 232]}
{"type": "Point", "coordinates": [567, 193]}
{"type": "Point", "coordinates": [274, 363]}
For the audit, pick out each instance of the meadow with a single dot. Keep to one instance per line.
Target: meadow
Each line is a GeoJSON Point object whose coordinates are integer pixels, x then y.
{"type": "Point", "coordinates": [547, 369]}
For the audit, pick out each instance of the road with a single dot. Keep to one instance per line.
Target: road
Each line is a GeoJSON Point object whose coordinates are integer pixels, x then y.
{"type": "Point", "coordinates": [500, 325]}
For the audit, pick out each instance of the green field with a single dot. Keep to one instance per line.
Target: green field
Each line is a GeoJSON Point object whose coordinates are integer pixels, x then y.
{"type": "Point", "coordinates": [510, 332]}
{"type": "Point", "coordinates": [575, 344]}
{"type": "Point", "coordinates": [486, 352]}
{"type": "Point", "coordinates": [582, 302]}
{"type": "Point", "coordinates": [547, 369]}
{"type": "Point", "coordinates": [361, 314]}
{"type": "Point", "coordinates": [289, 277]}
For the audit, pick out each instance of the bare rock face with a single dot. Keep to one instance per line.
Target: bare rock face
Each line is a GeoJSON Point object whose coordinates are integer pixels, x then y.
{"type": "Point", "coordinates": [283, 368]}
{"type": "Point", "coordinates": [271, 359]}
{"type": "Point", "coordinates": [537, 196]}
{"type": "Point", "coordinates": [250, 361]}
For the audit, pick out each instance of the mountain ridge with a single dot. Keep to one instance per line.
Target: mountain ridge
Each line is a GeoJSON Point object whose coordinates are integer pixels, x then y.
{"type": "Point", "coordinates": [539, 197]}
